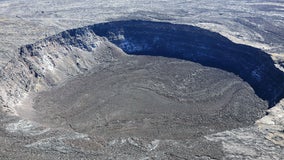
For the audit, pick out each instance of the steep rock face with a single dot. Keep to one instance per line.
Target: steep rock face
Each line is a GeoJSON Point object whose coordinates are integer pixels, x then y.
{"type": "Point", "coordinates": [66, 54]}
{"type": "Point", "coordinates": [198, 45]}
{"type": "Point", "coordinates": [16, 81]}
{"type": "Point", "coordinates": [50, 61]}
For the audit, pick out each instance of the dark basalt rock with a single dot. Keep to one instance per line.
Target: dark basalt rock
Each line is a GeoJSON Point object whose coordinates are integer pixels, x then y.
{"type": "Point", "coordinates": [197, 45]}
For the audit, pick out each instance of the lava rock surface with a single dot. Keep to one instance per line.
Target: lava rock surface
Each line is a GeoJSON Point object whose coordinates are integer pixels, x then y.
{"type": "Point", "coordinates": [151, 97]}
{"type": "Point", "coordinates": [96, 101]}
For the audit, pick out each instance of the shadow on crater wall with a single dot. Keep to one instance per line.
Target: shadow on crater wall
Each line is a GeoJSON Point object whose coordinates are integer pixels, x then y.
{"type": "Point", "coordinates": [197, 45]}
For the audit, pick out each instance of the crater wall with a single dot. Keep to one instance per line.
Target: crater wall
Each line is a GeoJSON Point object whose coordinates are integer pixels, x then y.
{"type": "Point", "coordinates": [198, 45]}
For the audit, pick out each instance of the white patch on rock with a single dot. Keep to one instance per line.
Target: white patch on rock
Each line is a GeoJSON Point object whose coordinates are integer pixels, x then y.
{"type": "Point", "coordinates": [273, 124]}
{"type": "Point", "coordinates": [153, 145]}
{"type": "Point", "coordinates": [247, 143]}
{"type": "Point", "coordinates": [58, 143]}
{"type": "Point", "coordinates": [26, 127]}
{"type": "Point", "coordinates": [136, 142]}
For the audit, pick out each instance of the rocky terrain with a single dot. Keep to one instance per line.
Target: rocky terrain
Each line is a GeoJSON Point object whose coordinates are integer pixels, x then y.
{"type": "Point", "coordinates": [256, 23]}
{"type": "Point", "coordinates": [139, 89]}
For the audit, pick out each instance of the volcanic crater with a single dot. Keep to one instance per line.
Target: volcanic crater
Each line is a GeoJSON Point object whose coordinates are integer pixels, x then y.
{"type": "Point", "coordinates": [151, 80]}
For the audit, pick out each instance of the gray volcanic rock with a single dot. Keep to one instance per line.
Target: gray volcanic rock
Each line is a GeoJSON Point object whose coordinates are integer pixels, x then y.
{"type": "Point", "coordinates": [253, 22]}
{"type": "Point", "coordinates": [151, 97]}
{"type": "Point", "coordinates": [141, 107]}
{"type": "Point", "coordinates": [126, 106]}
{"type": "Point", "coordinates": [77, 95]}
{"type": "Point", "coordinates": [51, 61]}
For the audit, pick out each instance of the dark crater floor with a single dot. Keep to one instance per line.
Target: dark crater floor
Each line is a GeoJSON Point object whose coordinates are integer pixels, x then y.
{"type": "Point", "coordinates": [197, 45]}
{"type": "Point", "coordinates": [151, 97]}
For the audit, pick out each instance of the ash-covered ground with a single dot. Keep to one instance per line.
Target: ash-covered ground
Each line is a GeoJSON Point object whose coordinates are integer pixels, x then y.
{"type": "Point", "coordinates": [182, 93]}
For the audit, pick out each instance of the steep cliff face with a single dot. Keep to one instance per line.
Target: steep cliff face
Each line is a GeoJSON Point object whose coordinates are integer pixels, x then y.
{"type": "Point", "coordinates": [51, 61]}
{"type": "Point", "coordinates": [201, 46]}
{"type": "Point", "coordinates": [66, 54]}
{"type": "Point", "coordinates": [16, 81]}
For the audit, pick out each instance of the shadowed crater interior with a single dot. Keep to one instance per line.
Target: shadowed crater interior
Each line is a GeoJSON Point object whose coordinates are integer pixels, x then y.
{"type": "Point", "coordinates": [197, 45]}
{"type": "Point", "coordinates": [191, 94]}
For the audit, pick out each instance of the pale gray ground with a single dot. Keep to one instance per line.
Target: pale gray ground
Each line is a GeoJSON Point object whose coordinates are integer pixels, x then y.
{"type": "Point", "coordinates": [255, 22]}
{"type": "Point", "coordinates": [113, 129]}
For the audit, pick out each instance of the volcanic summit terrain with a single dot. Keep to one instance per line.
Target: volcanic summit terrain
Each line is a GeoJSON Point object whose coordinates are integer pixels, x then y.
{"type": "Point", "coordinates": [141, 81]}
